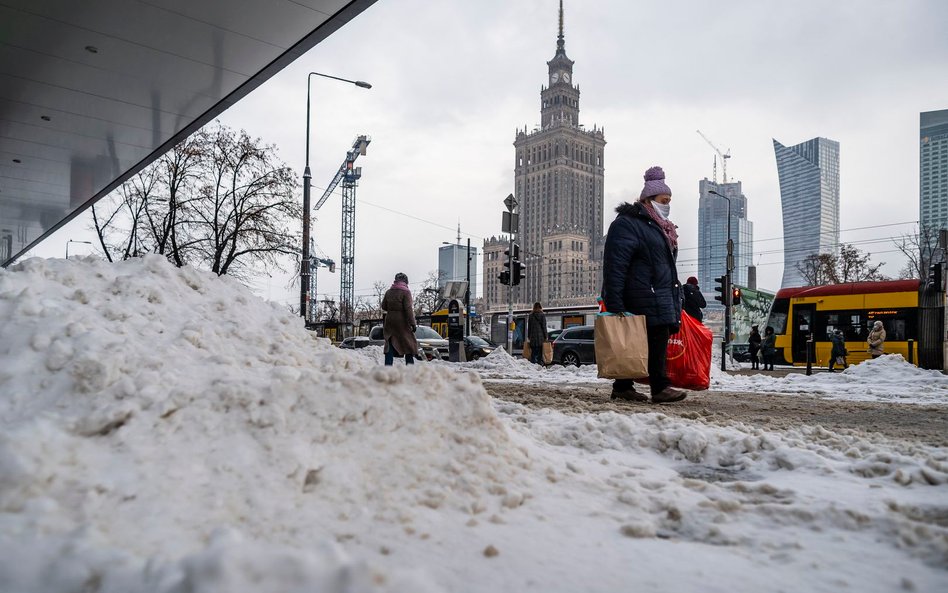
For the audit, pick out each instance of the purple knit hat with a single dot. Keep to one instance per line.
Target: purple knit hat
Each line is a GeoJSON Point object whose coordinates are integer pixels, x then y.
{"type": "Point", "coordinates": [654, 183]}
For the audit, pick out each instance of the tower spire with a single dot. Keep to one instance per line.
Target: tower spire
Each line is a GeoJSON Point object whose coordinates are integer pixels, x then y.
{"type": "Point", "coordinates": [560, 42]}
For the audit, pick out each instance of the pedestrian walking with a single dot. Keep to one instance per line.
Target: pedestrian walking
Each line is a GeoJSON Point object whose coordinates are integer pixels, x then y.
{"type": "Point", "coordinates": [838, 353]}
{"type": "Point", "coordinates": [694, 300]}
{"type": "Point", "coordinates": [398, 324]}
{"type": "Point", "coordinates": [876, 340]}
{"type": "Point", "coordinates": [753, 347]}
{"type": "Point", "coordinates": [640, 277]}
{"type": "Point", "coordinates": [536, 333]}
{"type": "Point", "coordinates": [768, 348]}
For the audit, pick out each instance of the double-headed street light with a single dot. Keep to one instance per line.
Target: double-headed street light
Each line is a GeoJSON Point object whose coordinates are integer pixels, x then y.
{"type": "Point", "coordinates": [728, 266]}
{"type": "Point", "coordinates": [72, 241]}
{"type": "Point", "coordinates": [304, 262]}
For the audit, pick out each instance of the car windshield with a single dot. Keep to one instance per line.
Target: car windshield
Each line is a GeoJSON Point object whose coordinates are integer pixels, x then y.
{"type": "Point", "coordinates": [426, 333]}
{"type": "Point", "coordinates": [478, 341]}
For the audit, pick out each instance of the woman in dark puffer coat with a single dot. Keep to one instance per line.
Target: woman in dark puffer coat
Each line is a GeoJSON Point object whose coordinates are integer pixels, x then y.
{"type": "Point", "coordinates": [640, 277]}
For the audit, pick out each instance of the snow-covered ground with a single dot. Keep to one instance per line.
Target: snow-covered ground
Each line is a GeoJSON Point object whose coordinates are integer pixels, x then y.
{"type": "Point", "coordinates": [163, 430]}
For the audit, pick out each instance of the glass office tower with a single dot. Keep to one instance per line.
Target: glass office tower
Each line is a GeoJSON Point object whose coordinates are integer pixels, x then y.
{"type": "Point", "coordinates": [712, 235]}
{"type": "Point", "coordinates": [933, 170]}
{"type": "Point", "coordinates": [809, 198]}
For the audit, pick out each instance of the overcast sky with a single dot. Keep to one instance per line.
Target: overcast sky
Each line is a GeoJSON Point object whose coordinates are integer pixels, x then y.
{"type": "Point", "coordinates": [453, 80]}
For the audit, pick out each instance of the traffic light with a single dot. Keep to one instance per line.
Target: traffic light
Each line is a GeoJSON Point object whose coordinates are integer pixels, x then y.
{"type": "Point", "coordinates": [504, 277]}
{"type": "Point", "coordinates": [515, 269]}
{"type": "Point", "coordinates": [735, 296]}
{"type": "Point", "coordinates": [723, 288]}
{"type": "Point", "coordinates": [518, 272]}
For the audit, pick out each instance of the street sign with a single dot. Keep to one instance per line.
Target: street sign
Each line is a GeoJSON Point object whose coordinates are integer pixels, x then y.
{"type": "Point", "coordinates": [509, 222]}
{"type": "Point", "coordinates": [510, 202]}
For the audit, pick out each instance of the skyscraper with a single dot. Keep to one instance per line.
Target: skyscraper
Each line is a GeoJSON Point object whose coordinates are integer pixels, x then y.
{"type": "Point", "coordinates": [558, 182]}
{"type": "Point", "coordinates": [933, 170]}
{"type": "Point", "coordinates": [452, 265]}
{"type": "Point", "coordinates": [712, 234]}
{"type": "Point", "coordinates": [809, 198]}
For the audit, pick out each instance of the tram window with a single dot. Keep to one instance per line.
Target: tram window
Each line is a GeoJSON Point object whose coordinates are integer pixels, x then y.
{"type": "Point", "coordinates": [779, 322]}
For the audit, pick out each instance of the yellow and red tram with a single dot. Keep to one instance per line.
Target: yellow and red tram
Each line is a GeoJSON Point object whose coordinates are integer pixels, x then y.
{"type": "Point", "coordinates": [799, 313]}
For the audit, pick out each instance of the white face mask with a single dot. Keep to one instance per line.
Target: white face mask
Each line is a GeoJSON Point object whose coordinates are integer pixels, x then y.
{"type": "Point", "coordinates": [664, 210]}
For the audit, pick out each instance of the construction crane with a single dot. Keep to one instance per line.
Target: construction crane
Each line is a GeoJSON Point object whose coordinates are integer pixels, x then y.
{"type": "Point", "coordinates": [349, 176]}
{"type": "Point", "coordinates": [724, 156]}
{"type": "Point", "coordinates": [314, 264]}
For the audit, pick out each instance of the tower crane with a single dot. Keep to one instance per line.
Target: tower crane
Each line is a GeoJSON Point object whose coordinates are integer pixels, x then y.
{"type": "Point", "coordinates": [724, 156]}
{"type": "Point", "coordinates": [349, 176]}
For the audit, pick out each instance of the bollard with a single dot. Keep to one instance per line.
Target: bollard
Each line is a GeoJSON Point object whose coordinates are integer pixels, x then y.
{"type": "Point", "coordinates": [723, 355]}
{"type": "Point", "coordinates": [911, 351]}
{"type": "Point", "coordinates": [809, 355]}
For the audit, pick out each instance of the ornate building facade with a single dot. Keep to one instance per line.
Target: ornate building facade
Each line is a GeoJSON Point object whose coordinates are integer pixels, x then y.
{"type": "Point", "coordinates": [558, 181]}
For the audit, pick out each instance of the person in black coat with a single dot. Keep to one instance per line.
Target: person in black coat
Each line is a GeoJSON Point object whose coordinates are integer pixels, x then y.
{"type": "Point", "coordinates": [753, 346]}
{"type": "Point", "coordinates": [536, 333]}
{"type": "Point", "coordinates": [640, 277]}
{"type": "Point", "coordinates": [694, 300]}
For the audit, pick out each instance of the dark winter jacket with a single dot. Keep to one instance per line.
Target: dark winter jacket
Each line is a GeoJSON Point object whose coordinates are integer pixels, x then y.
{"type": "Point", "coordinates": [694, 301]}
{"type": "Point", "coordinates": [768, 345]}
{"type": "Point", "coordinates": [639, 274]}
{"type": "Point", "coordinates": [536, 328]}
{"type": "Point", "coordinates": [839, 345]}
{"type": "Point", "coordinates": [753, 342]}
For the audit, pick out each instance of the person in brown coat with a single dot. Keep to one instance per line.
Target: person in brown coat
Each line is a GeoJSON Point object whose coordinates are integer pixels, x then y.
{"type": "Point", "coordinates": [398, 326]}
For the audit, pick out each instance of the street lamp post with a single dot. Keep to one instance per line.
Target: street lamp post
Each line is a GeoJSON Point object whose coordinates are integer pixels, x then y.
{"type": "Point", "coordinates": [467, 291]}
{"type": "Point", "coordinates": [72, 241]}
{"type": "Point", "coordinates": [728, 266]}
{"type": "Point", "coordinates": [304, 261]}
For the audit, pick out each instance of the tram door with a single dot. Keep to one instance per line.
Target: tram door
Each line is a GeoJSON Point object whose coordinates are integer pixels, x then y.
{"type": "Point", "coordinates": [802, 328]}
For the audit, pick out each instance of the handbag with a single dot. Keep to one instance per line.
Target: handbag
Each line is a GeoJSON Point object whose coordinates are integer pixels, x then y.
{"type": "Point", "coordinates": [688, 357]}
{"type": "Point", "coordinates": [547, 353]}
{"type": "Point", "coordinates": [840, 360]}
{"type": "Point", "coordinates": [621, 343]}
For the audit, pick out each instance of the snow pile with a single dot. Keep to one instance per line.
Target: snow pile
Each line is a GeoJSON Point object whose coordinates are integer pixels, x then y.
{"type": "Point", "coordinates": [144, 407]}
{"type": "Point", "coordinates": [498, 365]}
{"type": "Point", "coordinates": [162, 430]}
{"type": "Point", "coordinates": [887, 379]}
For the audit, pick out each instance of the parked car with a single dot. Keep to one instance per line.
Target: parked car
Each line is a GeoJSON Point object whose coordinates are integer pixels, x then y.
{"type": "Point", "coordinates": [353, 342]}
{"type": "Point", "coordinates": [575, 346]}
{"type": "Point", "coordinates": [553, 334]}
{"type": "Point", "coordinates": [430, 343]}
{"type": "Point", "coordinates": [475, 347]}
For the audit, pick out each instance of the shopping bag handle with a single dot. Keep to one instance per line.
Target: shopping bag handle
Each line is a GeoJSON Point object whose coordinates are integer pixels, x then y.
{"type": "Point", "coordinates": [611, 314]}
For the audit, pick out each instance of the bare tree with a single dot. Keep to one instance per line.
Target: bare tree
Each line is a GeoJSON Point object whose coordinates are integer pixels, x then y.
{"type": "Point", "coordinates": [919, 250]}
{"type": "Point", "coordinates": [850, 265]}
{"type": "Point", "coordinates": [429, 296]}
{"type": "Point", "coordinates": [220, 200]}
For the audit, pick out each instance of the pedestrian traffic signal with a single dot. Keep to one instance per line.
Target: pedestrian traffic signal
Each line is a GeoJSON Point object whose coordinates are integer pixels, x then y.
{"type": "Point", "coordinates": [518, 272]}
{"type": "Point", "coordinates": [736, 296]}
{"type": "Point", "coordinates": [723, 288]}
{"type": "Point", "coordinates": [504, 277]}
{"type": "Point", "coordinates": [934, 276]}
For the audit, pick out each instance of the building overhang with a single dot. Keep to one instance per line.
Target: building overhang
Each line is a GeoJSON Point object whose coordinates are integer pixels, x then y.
{"type": "Point", "coordinates": [91, 92]}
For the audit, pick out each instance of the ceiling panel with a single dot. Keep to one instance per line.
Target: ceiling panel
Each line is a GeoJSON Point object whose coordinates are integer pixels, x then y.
{"type": "Point", "coordinates": [92, 91]}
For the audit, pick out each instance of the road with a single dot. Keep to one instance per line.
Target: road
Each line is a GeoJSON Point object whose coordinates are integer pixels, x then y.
{"type": "Point", "coordinates": [913, 423]}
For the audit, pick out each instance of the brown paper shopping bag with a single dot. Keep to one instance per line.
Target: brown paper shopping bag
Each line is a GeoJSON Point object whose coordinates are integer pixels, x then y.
{"type": "Point", "coordinates": [547, 352]}
{"type": "Point", "coordinates": [621, 346]}
{"type": "Point", "coordinates": [527, 351]}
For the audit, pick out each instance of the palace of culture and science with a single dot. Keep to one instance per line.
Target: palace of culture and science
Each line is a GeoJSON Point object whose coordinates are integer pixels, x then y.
{"type": "Point", "coordinates": [559, 186]}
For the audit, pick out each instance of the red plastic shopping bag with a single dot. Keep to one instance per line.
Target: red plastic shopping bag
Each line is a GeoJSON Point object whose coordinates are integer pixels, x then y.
{"type": "Point", "coordinates": [689, 355]}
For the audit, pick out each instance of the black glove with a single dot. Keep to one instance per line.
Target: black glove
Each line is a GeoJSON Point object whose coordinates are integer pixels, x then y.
{"type": "Point", "coordinates": [674, 329]}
